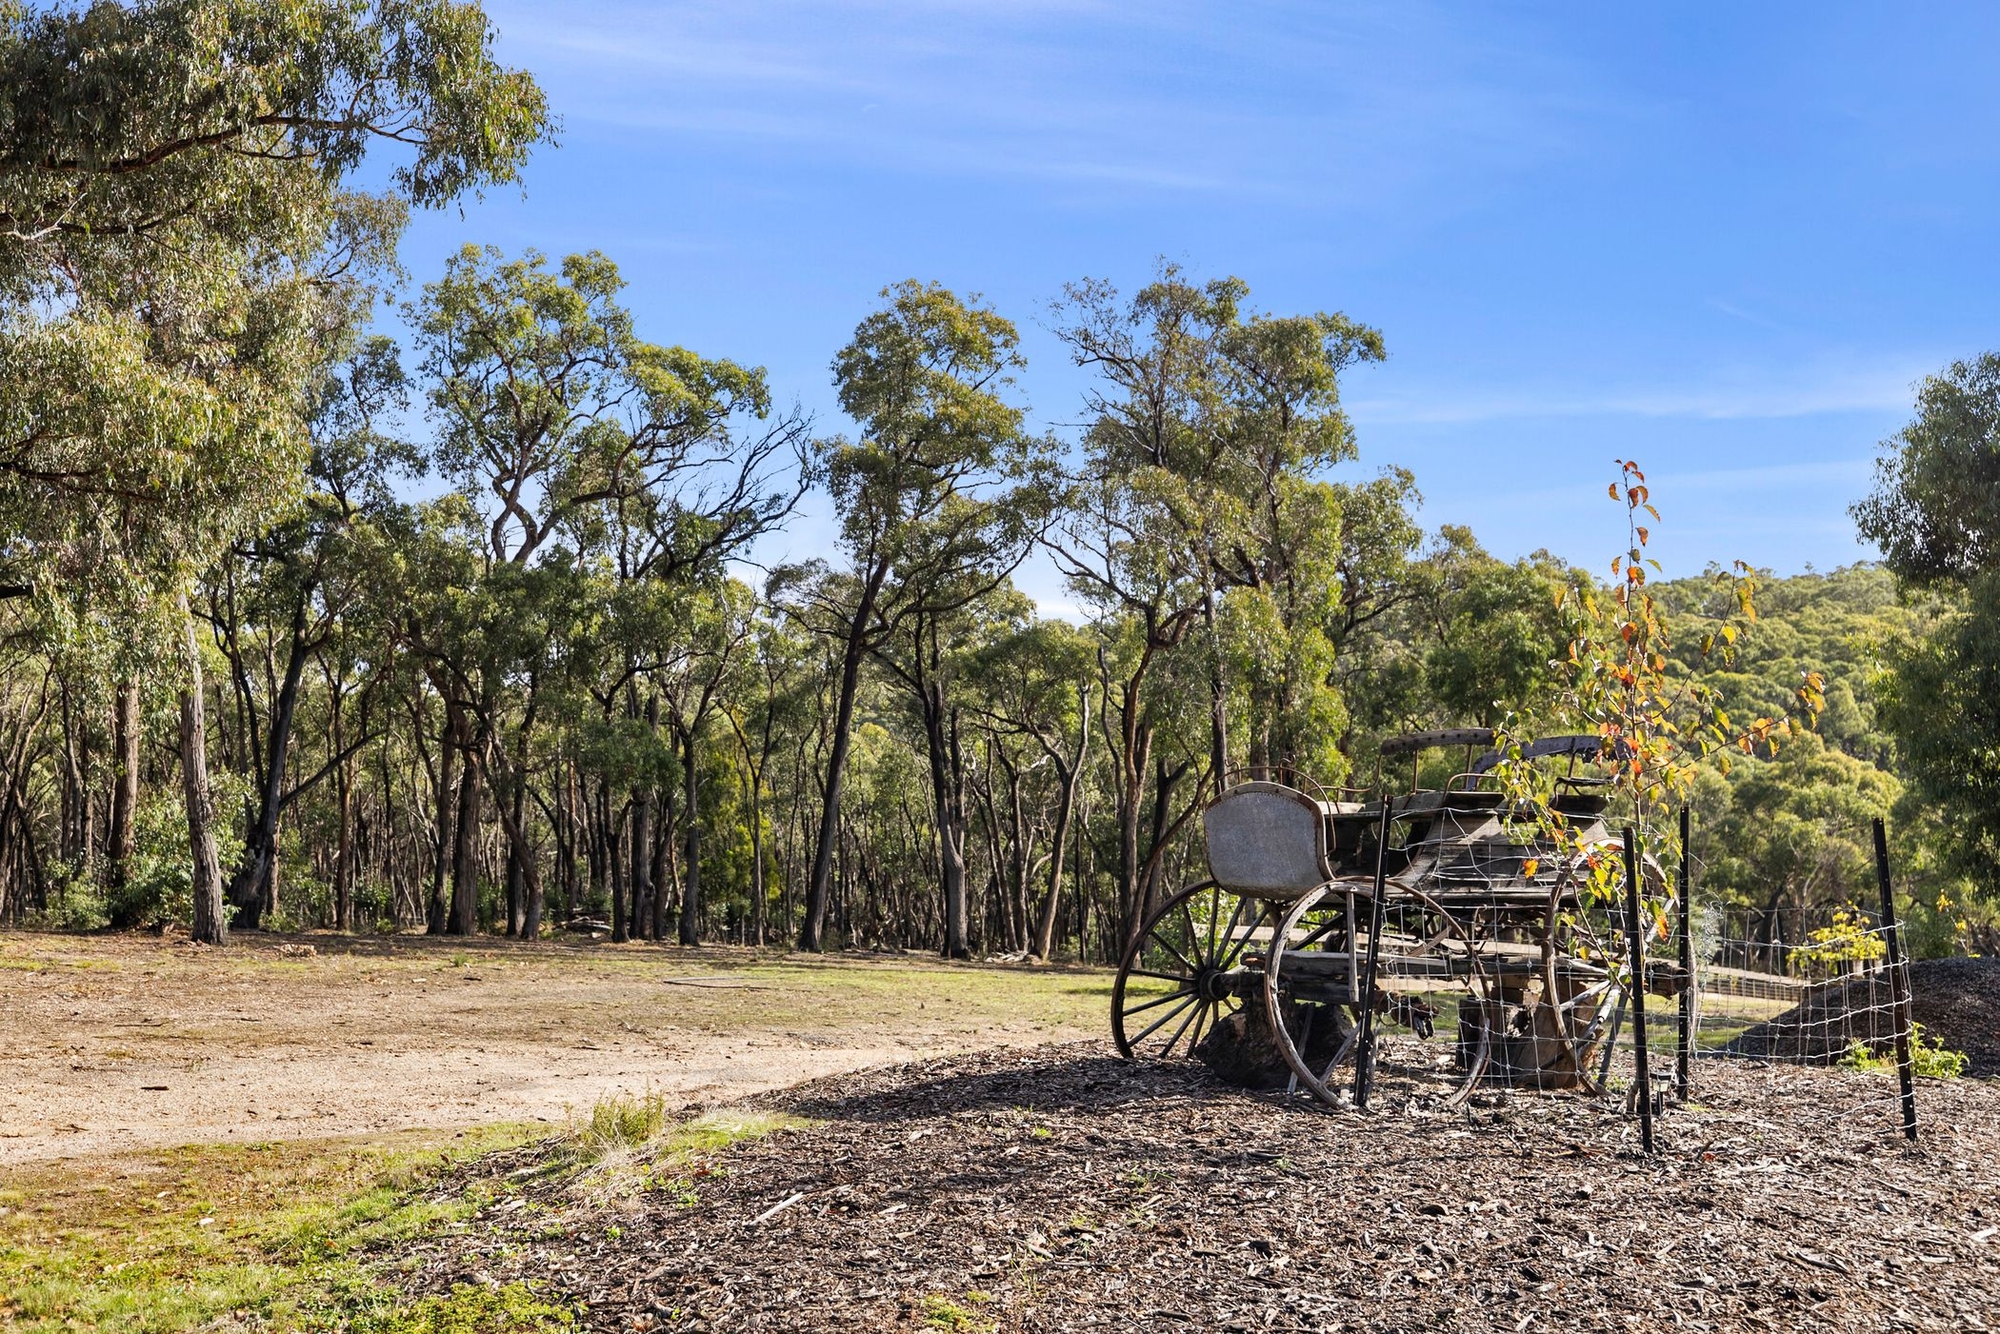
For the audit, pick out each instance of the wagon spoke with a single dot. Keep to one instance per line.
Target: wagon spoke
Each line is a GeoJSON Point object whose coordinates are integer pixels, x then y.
{"type": "Point", "coordinates": [1235, 949]}
{"type": "Point", "coordinates": [1154, 932]}
{"type": "Point", "coordinates": [1158, 1001]}
{"type": "Point", "coordinates": [1186, 999]}
{"type": "Point", "coordinates": [1231, 945]}
{"type": "Point", "coordinates": [1320, 932]}
{"type": "Point", "coordinates": [1168, 1050]}
{"type": "Point", "coordinates": [1161, 977]}
{"type": "Point", "coordinates": [1346, 1050]}
{"type": "Point", "coordinates": [1193, 932]}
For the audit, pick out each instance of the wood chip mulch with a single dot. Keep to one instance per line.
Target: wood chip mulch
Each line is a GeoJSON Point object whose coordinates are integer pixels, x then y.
{"type": "Point", "coordinates": [1063, 1189]}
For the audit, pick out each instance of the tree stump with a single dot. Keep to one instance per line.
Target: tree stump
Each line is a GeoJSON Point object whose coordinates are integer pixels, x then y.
{"type": "Point", "coordinates": [1241, 1050]}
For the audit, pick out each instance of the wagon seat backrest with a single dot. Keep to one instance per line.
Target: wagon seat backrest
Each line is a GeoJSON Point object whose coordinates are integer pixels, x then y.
{"type": "Point", "coordinates": [1266, 840]}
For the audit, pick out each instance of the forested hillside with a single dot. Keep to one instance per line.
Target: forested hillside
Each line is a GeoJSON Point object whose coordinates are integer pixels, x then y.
{"type": "Point", "coordinates": [242, 662]}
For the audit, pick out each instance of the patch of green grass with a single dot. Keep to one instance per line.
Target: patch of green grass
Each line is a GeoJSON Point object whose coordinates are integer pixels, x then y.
{"type": "Point", "coordinates": [1715, 1034]}
{"type": "Point", "coordinates": [266, 1234]}
{"type": "Point", "coordinates": [716, 1131]}
{"type": "Point", "coordinates": [942, 1313]}
{"type": "Point", "coordinates": [470, 1310]}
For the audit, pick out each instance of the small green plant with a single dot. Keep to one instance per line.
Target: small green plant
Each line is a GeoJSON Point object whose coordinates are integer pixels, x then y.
{"type": "Point", "coordinates": [461, 959]}
{"type": "Point", "coordinates": [1145, 1178]}
{"type": "Point", "coordinates": [678, 1190]}
{"type": "Point", "coordinates": [940, 1312]}
{"type": "Point", "coordinates": [511, 1309]}
{"type": "Point", "coordinates": [1929, 1057]}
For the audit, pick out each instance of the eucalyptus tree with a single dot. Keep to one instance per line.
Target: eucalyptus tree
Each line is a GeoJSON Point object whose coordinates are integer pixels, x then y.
{"type": "Point", "coordinates": [1206, 429]}
{"type": "Point", "coordinates": [715, 637]}
{"type": "Point", "coordinates": [440, 609]}
{"type": "Point", "coordinates": [312, 572]}
{"type": "Point", "coordinates": [1495, 631]}
{"type": "Point", "coordinates": [922, 650]}
{"type": "Point", "coordinates": [1935, 515]}
{"type": "Point", "coordinates": [772, 703]}
{"type": "Point", "coordinates": [1792, 835]}
{"type": "Point", "coordinates": [1036, 682]}
{"type": "Point", "coordinates": [620, 758]}
{"type": "Point", "coordinates": [939, 499]}
{"type": "Point", "coordinates": [167, 172]}
{"type": "Point", "coordinates": [577, 440]}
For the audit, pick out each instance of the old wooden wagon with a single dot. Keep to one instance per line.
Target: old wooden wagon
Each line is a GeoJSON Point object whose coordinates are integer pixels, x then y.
{"type": "Point", "coordinates": [1325, 915]}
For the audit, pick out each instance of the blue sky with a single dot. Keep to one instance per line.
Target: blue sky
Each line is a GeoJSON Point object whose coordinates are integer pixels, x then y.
{"type": "Point", "coordinates": [1725, 241]}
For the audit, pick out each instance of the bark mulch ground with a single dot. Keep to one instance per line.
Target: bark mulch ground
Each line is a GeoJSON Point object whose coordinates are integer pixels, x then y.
{"type": "Point", "coordinates": [1063, 1189]}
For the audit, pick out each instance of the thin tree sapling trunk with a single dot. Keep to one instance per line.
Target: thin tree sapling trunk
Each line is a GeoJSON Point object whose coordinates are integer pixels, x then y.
{"type": "Point", "coordinates": [125, 732]}
{"type": "Point", "coordinates": [211, 917]}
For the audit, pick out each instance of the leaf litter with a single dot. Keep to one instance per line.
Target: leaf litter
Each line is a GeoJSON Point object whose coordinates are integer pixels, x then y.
{"type": "Point", "coordinates": [1064, 1189]}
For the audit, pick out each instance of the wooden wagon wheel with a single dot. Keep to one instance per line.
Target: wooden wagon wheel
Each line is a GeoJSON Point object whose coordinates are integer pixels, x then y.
{"type": "Point", "coordinates": [1182, 973]}
{"type": "Point", "coordinates": [1446, 950]}
{"type": "Point", "coordinates": [1312, 992]}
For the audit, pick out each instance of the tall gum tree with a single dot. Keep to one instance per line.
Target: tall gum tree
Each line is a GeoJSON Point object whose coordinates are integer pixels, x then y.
{"type": "Point", "coordinates": [1935, 515]}
{"type": "Point", "coordinates": [577, 441]}
{"type": "Point", "coordinates": [940, 497]}
{"type": "Point", "coordinates": [167, 170]}
{"type": "Point", "coordinates": [1207, 425]}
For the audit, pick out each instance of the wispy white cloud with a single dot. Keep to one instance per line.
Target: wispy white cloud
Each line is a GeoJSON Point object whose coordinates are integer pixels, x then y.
{"type": "Point", "coordinates": [1883, 385]}
{"type": "Point", "coordinates": [1737, 312]}
{"type": "Point", "coordinates": [1164, 98]}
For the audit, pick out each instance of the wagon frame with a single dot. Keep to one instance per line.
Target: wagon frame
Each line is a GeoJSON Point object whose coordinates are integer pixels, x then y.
{"type": "Point", "coordinates": [1330, 915]}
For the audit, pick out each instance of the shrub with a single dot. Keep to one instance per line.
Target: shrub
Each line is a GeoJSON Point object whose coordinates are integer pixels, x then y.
{"type": "Point", "coordinates": [1929, 1056]}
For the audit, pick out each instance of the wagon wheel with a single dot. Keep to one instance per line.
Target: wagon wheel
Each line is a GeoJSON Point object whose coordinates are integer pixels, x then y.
{"type": "Point", "coordinates": [1441, 940]}
{"type": "Point", "coordinates": [1314, 1013]}
{"type": "Point", "coordinates": [1182, 974]}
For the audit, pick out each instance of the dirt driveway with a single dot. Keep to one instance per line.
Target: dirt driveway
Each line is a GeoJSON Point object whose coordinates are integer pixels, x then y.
{"type": "Point", "coordinates": [131, 1042]}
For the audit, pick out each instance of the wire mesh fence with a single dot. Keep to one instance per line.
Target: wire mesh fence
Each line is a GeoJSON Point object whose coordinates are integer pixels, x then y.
{"type": "Point", "coordinates": [1717, 984]}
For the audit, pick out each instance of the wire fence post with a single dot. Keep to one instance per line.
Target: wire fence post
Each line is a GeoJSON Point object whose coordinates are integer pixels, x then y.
{"type": "Point", "coordinates": [1690, 984]}
{"type": "Point", "coordinates": [1635, 936]}
{"type": "Point", "coordinates": [1899, 983]}
{"type": "Point", "coordinates": [1364, 1059]}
